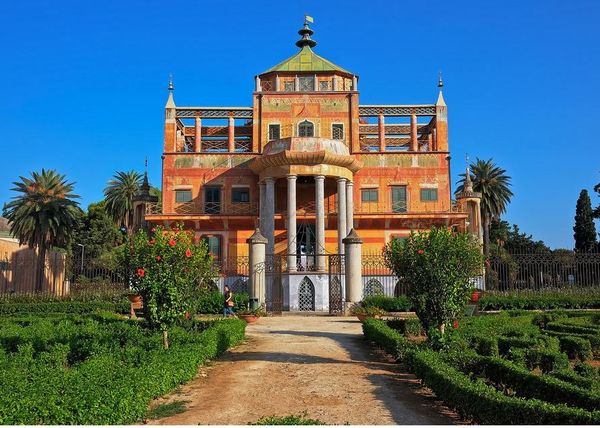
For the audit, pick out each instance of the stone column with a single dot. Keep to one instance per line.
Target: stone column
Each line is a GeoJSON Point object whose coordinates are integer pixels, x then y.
{"type": "Point", "coordinates": [413, 133]}
{"type": "Point", "coordinates": [291, 218]}
{"type": "Point", "coordinates": [435, 140]}
{"type": "Point", "coordinates": [269, 218]}
{"type": "Point", "coordinates": [341, 214]}
{"type": "Point", "coordinates": [198, 139]}
{"type": "Point", "coordinates": [277, 83]}
{"type": "Point", "coordinates": [353, 260]}
{"type": "Point", "coordinates": [256, 259]}
{"type": "Point", "coordinates": [231, 135]}
{"type": "Point", "coordinates": [349, 206]}
{"type": "Point", "coordinates": [381, 133]}
{"type": "Point", "coordinates": [261, 205]}
{"type": "Point", "coordinates": [320, 203]}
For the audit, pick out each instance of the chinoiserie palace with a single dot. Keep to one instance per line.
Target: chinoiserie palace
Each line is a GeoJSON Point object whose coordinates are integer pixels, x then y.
{"type": "Point", "coordinates": [307, 163]}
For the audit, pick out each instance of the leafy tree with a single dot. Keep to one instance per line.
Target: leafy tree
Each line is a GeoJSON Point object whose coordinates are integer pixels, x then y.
{"type": "Point", "coordinates": [511, 239]}
{"type": "Point", "coordinates": [96, 232]}
{"type": "Point", "coordinates": [437, 267]}
{"type": "Point", "coordinates": [494, 185]}
{"type": "Point", "coordinates": [585, 229]}
{"type": "Point", "coordinates": [119, 196]}
{"type": "Point", "coordinates": [169, 268]}
{"type": "Point", "coordinates": [43, 214]}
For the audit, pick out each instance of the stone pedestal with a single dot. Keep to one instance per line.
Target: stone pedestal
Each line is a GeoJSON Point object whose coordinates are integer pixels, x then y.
{"type": "Point", "coordinates": [256, 276]}
{"type": "Point", "coordinates": [353, 260]}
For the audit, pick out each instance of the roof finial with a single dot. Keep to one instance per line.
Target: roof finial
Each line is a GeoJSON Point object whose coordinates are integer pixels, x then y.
{"type": "Point", "coordinates": [440, 81]}
{"type": "Point", "coordinates": [306, 32]}
{"type": "Point", "coordinates": [170, 101]}
{"type": "Point", "coordinates": [171, 82]}
{"type": "Point", "coordinates": [440, 101]}
{"type": "Point", "coordinates": [468, 187]}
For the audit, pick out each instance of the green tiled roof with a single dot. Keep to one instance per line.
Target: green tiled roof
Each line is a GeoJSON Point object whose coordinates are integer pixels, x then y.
{"type": "Point", "coordinates": [306, 60]}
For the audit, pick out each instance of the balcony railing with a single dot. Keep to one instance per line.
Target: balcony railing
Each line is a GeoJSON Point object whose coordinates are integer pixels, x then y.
{"type": "Point", "coordinates": [211, 208]}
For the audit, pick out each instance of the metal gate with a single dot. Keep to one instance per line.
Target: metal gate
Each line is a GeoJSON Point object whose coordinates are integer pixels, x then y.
{"type": "Point", "coordinates": [336, 284]}
{"type": "Point", "coordinates": [274, 284]}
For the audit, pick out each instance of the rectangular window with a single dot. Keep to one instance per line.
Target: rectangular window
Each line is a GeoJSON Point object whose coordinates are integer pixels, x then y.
{"type": "Point", "coordinates": [307, 83]}
{"type": "Point", "coordinates": [337, 131]}
{"type": "Point", "coordinates": [428, 195]}
{"type": "Point", "coordinates": [240, 195]}
{"type": "Point", "coordinates": [213, 242]}
{"type": "Point", "coordinates": [183, 195]}
{"type": "Point", "coordinates": [399, 199]}
{"type": "Point", "coordinates": [324, 86]}
{"type": "Point", "coordinates": [369, 195]}
{"type": "Point", "coordinates": [274, 132]}
{"type": "Point", "coordinates": [288, 86]}
{"type": "Point", "coordinates": [212, 200]}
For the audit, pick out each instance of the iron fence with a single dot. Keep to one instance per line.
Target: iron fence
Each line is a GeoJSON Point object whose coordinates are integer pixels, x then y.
{"type": "Point", "coordinates": [378, 278]}
{"type": "Point", "coordinates": [542, 271]}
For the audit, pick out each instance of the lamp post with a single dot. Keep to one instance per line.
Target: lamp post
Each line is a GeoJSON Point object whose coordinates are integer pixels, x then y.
{"type": "Point", "coordinates": [82, 253]}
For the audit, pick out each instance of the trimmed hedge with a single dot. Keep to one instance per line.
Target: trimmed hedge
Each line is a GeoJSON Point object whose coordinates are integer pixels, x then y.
{"type": "Point", "coordinates": [530, 385]}
{"type": "Point", "coordinates": [485, 345]}
{"type": "Point", "coordinates": [592, 338]}
{"type": "Point", "coordinates": [547, 360]}
{"type": "Point", "coordinates": [540, 300]}
{"type": "Point", "coordinates": [98, 370]}
{"type": "Point", "coordinates": [387, 338]}
{"type": "Point", "coordinates": [485, 404]}
{"type": "Point", "coordinates": [576, 347]}
{"type": "Point", "coordinates": [388, 304]}
{"type": "Point", "coordinates": [212, 302]}
{"type": "Point", "coordinates": [63, 307]}
{"type": "Point", "coordinates": [573, 378]}
{"type": "Point", "coordinates": [571, 328]}
{"type": "Point", "coordinates": [407, 326]}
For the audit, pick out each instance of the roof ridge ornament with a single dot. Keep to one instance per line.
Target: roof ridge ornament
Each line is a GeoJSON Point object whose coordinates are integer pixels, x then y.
{"type": "Point", "coordinates": [306, 32]}
{"type": "Point", "coordinates": [170, 101]}
{"type": "Point", "coordinates": [440, 101]}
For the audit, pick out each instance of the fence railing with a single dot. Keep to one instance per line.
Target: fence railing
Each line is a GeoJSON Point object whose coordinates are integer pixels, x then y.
{"type": "Point", "coordinates": [542, 271]}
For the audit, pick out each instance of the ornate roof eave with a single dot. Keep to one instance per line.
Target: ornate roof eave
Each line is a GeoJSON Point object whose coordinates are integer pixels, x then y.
{"type": "Point", "coordinates": [468, 194]}
{"type": "Point", "coordinates": [288, 157]}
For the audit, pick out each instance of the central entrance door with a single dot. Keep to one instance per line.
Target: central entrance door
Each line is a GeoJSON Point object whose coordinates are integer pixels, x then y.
{"type": "Point", "coordinates": [305, 245]}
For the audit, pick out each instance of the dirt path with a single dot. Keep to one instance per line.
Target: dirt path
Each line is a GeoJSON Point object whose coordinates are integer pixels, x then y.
{"type": "Point", "coordinates": [319, 365]}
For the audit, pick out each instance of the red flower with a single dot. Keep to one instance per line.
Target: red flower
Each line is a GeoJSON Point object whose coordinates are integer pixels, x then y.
{"type": "Point", "coordinates": [187, 315]}
{"type": "Point", "coordinates": [455, 324]}
{"type": "Point", "coordinates": [172, 242]}
{"type": "Point", "coordinates": [153, 230]}
{"type": "Point", "coordinates": [141, 272]}
{"type": "Point", "coordinates": [152, 242]}
{"type": "Point", "coordinates": [188, 253]}
{"type": "Point", "coordinates": [158, 258]}
{"type": "Point", "coordinates": [421, 251]}
{"type": "Point", "coordinates": [175, 229]}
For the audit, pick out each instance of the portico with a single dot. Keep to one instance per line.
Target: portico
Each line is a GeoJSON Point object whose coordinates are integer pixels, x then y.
{"type": "Point", "coordinates": [320, 159]}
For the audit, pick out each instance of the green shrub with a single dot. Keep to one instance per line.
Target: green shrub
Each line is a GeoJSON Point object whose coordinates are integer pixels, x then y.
{"type": "Point", "coordinates": [576, 347]}
{"type": "Point", "coordinates": [388, 304]}
{"type": "Point", "coordinates": [586, 370]}
{"type": "Point", "coordinates": [542, 320]}
{"type": "Point", "coordinates": [573, 378]}
{"type": "Point", "coordinates": [386, 338]}
{"type": "Point", "coordinates": [407, 326]}
{"type": "Point", "coordinates": [484, 404]}
{"type": "Point", "coordinates": [529, 385]}
{"type": "Point", "coordinates": [546, 360]}
{"type": "Point", "coordinates": [485, 345]}
{"type": "Point", "coordinates": [573, 299]}
{"type": "Point", "coordinates": [212, 302]}
{"type": "Point", "coordinates": [97, 370]}
{"type": "Point", "coordinates": [63, 307]}
{"type": "Point", "coordinates": [507, 343]}
{"type": "Point", "coordinates": [517, 356]}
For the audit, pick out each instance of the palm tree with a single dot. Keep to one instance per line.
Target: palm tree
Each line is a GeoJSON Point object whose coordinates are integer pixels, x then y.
{"type": "Point", "coordinates": [119, 196]}
{"type": "Point", "coordinates": [44, 214]}
{"type": "Point", "coordinates": [494, 185]}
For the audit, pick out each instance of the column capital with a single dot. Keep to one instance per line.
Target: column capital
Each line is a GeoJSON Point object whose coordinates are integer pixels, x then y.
{"type": "Point", "coordinates": [290, 176]}
{"type": "Point", "coordinates": [342, 180]}
{"type": "Point", "coordinates": [269, 180]}
{"type": "Point", "coordinates": [319, 177]}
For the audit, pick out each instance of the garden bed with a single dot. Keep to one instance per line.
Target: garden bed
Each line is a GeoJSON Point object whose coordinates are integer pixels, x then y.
{"type": "Point", "coordinates": [510, 368]}
{"type": "Point", "coordinates": [97, 369]}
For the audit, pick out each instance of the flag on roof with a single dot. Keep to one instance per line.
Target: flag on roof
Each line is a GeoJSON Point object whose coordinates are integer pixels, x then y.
{"type": "Point", "coordinates": [308, 18]}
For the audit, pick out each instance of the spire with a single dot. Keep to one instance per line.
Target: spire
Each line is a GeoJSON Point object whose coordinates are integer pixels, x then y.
{"type": "Point", "coordinates": [306, 32]}
{"type": "Point", "coordinates": [170, 101]}
{"type": "Point", "coordinates": [468, 186]}
{"type": "Point", "coordinates": [440, 101]}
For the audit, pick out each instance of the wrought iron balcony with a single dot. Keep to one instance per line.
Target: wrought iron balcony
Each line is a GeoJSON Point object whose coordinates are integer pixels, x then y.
{"type": "Point", "coordinates": [210, 208]}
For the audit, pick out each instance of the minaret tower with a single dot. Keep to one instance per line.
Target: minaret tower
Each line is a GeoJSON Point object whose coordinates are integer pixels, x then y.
{"type": "Point", "coordinates": [470, 202]}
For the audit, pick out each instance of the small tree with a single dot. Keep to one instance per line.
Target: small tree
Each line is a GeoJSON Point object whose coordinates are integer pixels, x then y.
{"type": "Point", "coordinates": [168, 269]}
{"type": "Point", "coordinates": [585, 229]}
{"type": "Point", "coordinates": [437, 267]}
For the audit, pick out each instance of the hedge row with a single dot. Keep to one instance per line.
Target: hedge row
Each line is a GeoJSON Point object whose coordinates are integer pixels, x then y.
{"type": "Point", "coordinates": [388, 304]}
{"type": "Point", "coordinates": [212, 303]}
{"type": "Point", "coordinates": [63, 307]}
{"type": "Point", "coordinates": [540, 300]}
{"type": "Point", "coordinates": [485, 404]}
{"type": "Point", "coordinates": [594, 339]}
{"type": "Point", "coordinates": [407, 326]}
{"type": "Point", "coordinates": [390, 340]}
{"type": "Point", "coordinates": [98, 371]}
{"type": "Point", "coordinates": [530, 385]}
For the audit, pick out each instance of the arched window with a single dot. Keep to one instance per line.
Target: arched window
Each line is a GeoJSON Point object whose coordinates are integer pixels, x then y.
{"type": "Point", "coordinates": [373, 288]}
{"type": "Point", "coordinates": [306, 129]}
{"type": "Point", "coordinates": [306, 295]}
{"type": "Point", "coordinates": [239, 286]}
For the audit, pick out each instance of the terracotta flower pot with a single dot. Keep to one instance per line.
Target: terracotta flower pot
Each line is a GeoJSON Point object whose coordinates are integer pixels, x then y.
{"type": "Point", "coordinates": [249, 318]}
{"type": "Point", "coordinates": [362, 317]}
{"type": "Point", "coordinates": [135, 298]}
{"type": "Point", "coordinates": [476, 295]}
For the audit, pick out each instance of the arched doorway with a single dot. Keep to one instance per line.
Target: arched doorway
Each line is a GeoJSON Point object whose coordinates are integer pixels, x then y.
{"type": "Point", "coordinates": [306, 295]}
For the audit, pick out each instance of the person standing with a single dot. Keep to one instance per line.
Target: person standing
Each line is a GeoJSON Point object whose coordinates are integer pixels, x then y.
{"type": "Point", "coordinates": [228, 303]}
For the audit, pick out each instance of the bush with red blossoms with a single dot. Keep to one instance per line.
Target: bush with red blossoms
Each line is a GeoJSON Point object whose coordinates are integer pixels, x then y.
{"type": "Point", "coordinates": [437, 267]}
{"type": "Point", "coordinates": [170, 269]}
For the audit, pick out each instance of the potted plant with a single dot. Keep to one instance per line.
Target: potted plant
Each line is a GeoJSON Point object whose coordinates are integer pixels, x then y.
{"type": "Point", "coordinates": [251, 315]}
{"type": "Point", "coordinates": [363, 313]}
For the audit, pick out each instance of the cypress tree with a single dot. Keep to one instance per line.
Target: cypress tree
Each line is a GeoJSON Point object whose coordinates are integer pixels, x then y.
{"type": "Point", "coordinates": [585, 229]}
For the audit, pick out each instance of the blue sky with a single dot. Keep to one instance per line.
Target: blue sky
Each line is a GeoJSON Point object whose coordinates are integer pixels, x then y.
{"type": "Point", "coordinates": [84, 83]}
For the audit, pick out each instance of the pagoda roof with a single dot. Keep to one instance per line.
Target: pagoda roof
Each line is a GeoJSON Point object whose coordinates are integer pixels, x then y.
{"type": "Point", "coordinates": [306, 61]}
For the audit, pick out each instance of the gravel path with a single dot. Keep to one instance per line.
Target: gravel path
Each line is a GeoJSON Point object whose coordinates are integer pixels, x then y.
{"type": "Point", "coordinates": [319, 365]}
